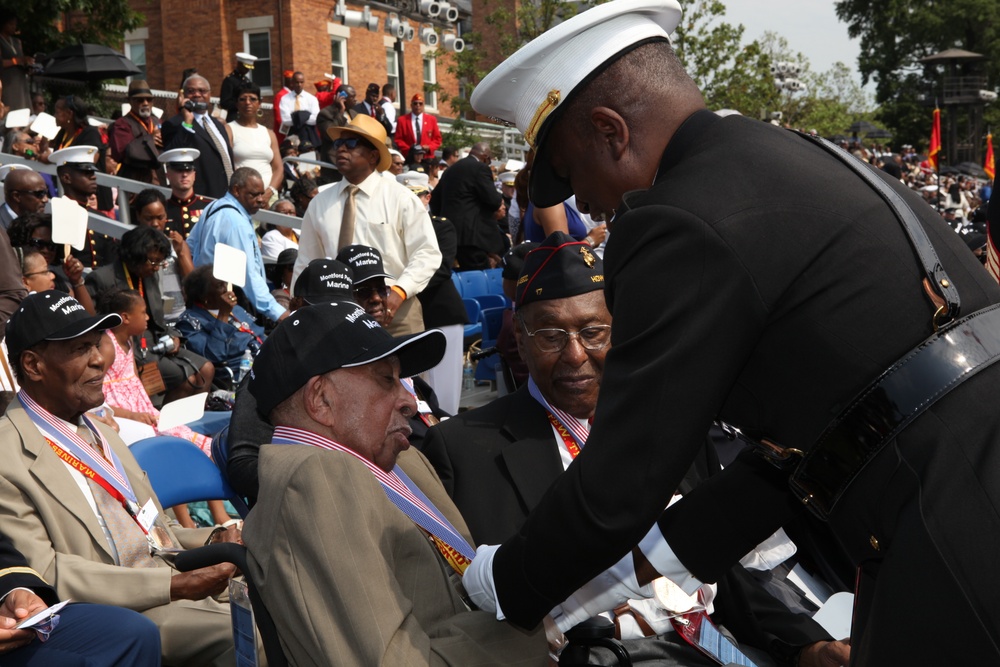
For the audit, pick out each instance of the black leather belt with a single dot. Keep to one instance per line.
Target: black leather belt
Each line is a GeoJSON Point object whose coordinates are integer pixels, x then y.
{"type": "Point", "coordinates": [890, 403]}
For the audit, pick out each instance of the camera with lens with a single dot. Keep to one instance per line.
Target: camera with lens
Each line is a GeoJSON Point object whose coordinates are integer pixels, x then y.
{"type": "Point", "coordinates": [163, 345]}
{"type": "Point", "coordinates": [196, 107]}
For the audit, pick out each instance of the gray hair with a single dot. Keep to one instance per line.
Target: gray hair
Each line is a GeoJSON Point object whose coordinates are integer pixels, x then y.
{"type": "Point", "coordinates": [242, 176]}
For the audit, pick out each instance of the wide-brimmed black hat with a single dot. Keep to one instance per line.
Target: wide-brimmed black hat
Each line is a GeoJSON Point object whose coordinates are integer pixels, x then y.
{"type": "Point", "coordinates": [51, 315]}
{"type": "Point", "coordinates": [323, 338]}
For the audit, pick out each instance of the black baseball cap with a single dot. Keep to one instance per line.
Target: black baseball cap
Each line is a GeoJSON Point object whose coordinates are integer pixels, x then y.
{"type": "Point", "coordinates": [324, 280]}
{"type": "Point", "coordinates": [365, 261]}
{"type": "Point", "coordinates": [328, 336]}
{"type": "Point", "coordinates": [560, 267]}
{"type": "Point", "coordinates": [51, 315]}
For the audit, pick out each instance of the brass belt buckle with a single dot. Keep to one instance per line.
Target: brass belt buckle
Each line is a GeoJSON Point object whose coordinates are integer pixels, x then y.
{"type": "Point", "coordinates": [776, 455]}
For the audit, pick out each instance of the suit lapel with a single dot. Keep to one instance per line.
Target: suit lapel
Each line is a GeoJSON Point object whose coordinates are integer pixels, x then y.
{"type": "Point", "coordinates": [55, 477]}
{"type": "Point", "coordinates": [532, 458]}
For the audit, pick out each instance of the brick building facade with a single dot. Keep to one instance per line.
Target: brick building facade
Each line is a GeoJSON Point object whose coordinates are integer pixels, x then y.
{"type": "Point", "coordinates": [285, 34]}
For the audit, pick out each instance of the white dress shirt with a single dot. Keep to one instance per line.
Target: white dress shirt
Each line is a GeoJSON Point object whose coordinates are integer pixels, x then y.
{"type": "Point", "coordinates": [388, 217]}
{"type": "Point", "coordinates": [390, 113]}
{"type": "Point", "coordinates": [307, 102]}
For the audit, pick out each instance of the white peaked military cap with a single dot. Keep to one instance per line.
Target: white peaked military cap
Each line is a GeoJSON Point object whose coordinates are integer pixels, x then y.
{"type": "Point", "coordinates": [529, 89]}
{"type": "Point", "coordinates": [411, 178]}
{"type": "Point", "coordinates": [7, 168]}
{"type": "Point", "coordinates": [246, 58]}
{"type": "Point", "coordinates": [507, 178]}
{"type": "Point", "coordinates": [74, 155]}
{"type": "Point", "coordinates": [179, 155]}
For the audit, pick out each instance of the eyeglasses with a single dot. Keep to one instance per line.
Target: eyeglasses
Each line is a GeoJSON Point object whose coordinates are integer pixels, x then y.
{"type": "Point", "coordinates": [38, 273]}
{"type": "Point", "coordinates": [352, 143]}
{"type": "Point", "coordinates": [365, 293]}
{"type": "Point", "coordinates": [156, 266]}
{"type": "Point", "coordinates": [37, 194]}
{"type": "Point", "coordinates": [555, 340]}
{"type": "Point", "coordinates": [42, 245]}
{"type": "Point", "coordinates": [192, 91]}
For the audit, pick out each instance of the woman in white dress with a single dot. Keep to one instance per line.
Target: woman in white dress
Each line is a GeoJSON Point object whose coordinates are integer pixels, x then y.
{"type": "Point", "coordinates": [255, 145]}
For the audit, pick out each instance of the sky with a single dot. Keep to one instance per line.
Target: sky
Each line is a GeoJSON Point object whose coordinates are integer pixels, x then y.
{"type": "Point", "coordinates": [810, 26]}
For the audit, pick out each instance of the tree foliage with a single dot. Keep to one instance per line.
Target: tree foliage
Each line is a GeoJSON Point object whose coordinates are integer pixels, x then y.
{"type": "Point", "coordinates": [83, 21]}
{"type": "Point", "coordinates": [895, 35]}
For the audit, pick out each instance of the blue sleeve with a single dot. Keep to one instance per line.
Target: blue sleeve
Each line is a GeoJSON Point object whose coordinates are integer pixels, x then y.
{"type": "Point", "coordinates": [235, 234]}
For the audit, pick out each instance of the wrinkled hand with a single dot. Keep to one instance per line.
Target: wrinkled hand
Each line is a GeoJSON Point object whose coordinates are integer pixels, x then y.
{"type": "Point", "coordinates": [392, 304]}
{"type": "Point", "coordinates": [826, 654]}
{"type": "Point", "coordinates": [177, 346]}
{"type": "Point", "coordinates": [231, 534]}
{"type": "Point", "coordinates": [202, 583]}
{"type": "Point", "coordinates": [178, 243]}
{"type": "Point", "coordinates": [157, 138]}
{"type": "Point", "coordinates": [228, 302]}
{"type": "Point", "coordinates": [17, 606]}
{"type": "Point", "coordinates": [73, 269]}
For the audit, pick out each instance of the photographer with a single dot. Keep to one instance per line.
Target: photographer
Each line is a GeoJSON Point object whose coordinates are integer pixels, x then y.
{"type": "Point", "coordinates": [194, 127]}
{"type": "Point", "coordinates": [144, 251]}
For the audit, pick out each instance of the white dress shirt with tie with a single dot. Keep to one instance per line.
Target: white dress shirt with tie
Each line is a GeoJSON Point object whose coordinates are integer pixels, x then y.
{"type": "Point", "coordinates": [388, 217]}
{"type": "Point", "coordinates": [307, 102]}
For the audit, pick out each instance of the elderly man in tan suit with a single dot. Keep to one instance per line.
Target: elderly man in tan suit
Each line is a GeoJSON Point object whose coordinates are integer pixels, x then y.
{"type": "Point", "coordinates": [353, 541]}
{"type": "Point", "coordinates": [74, 500]}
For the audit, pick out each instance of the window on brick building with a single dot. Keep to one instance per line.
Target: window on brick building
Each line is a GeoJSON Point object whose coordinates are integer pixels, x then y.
{"type": "Point", "coordinates": [430, 81]}
{"type": "Point", "coordinates": [258, 43]}
{"type": "Point", "coordinates": [136, 52]}
{"type": "Point", "coordinates": [392, 67]}
{"type": "Point", "coordinates": [338, 58]}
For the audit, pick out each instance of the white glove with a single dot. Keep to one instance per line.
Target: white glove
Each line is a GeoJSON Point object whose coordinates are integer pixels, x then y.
{"type": "Point", "coordinates": [478, 581]}
{"type": "Point", "coordinates": [602, 593]}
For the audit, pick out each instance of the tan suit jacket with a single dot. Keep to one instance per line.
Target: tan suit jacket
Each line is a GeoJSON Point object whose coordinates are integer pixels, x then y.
{"type": "Point", "coordinates": [350, 580]}
{"type": "Point", "coordinates": [50, 521]}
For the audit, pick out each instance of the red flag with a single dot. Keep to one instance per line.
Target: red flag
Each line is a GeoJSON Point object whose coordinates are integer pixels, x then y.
{"type": "Point", "coordinates": [988, 165]}
{"type": "Point", "coordinates": [932, 153]}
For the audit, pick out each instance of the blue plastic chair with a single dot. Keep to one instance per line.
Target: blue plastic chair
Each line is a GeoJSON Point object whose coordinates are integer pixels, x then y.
{"type": "Point", "coordinates": [180, 473]}
{"type": "Point", "coordinates": [492, 320]}
{"type": "Point", "coordinates": [488, 301]}
{"type": "Point", "coordinates": [494, 280]}
{"type": "Point", "coordinates": [473, 284]}
{"type": "Point", "coordinates": [458, 282]}
{"type": "Point", "coordinates": [472, 309]}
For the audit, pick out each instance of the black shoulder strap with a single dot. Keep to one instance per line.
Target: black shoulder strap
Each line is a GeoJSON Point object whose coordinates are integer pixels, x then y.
{"type": "Point", "coordinates": [933, 270]}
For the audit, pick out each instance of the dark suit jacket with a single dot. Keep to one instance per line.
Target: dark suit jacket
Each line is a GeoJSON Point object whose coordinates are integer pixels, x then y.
{"type": "Point", "coordinates": [15, 573]}
{"type": "Point", "coordinates": [330, 117]}
{"type": "Point", "coordinates": [135, 150]}
{"type": "Point", "coordinates": [211, 180]}
{"type": "Point", "coordinates": [440, 300]}
{"type": "Point", "coordinates": [793, 292]}
{"type": "Point", "coordinates": [498, 461]}
{"type": "Point", "coordinates": [113, 275]}
{"type": "Point", "coordinates": [467, 196]}
{"type": "Point", "coordinates": [361, 108]}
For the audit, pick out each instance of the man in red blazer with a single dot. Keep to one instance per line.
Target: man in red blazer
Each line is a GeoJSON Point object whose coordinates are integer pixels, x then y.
{"type": "Point", "coordinates": [407, 135]}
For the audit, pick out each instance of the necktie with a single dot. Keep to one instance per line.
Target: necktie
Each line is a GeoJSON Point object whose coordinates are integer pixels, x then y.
{"type": "Point", "coordinates": [372, 109]}
{"type": "Point", "coordinates": [130, 542]}
{"type": "Point", "coordinates": [347, 224]}
{"type": "Point", "coordinates": [227, 164]}
{"type": "Point", "coordinates": [416, 119]}
{"type": "Point", "coordinates": [298, 103]}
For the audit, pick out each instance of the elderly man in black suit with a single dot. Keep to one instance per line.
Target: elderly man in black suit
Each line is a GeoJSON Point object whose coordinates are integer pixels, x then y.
{"type": "Point", "coordinates": [498, 461]}
{"type": "Point", "coordinates": [467, 196]}
{"type": "Point", "coordinates": [194, 127]}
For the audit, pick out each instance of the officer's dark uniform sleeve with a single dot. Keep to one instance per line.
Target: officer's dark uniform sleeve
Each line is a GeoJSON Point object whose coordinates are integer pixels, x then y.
{"type": "Point", "coordinates": [15, 573]}
{"type": "Point", "coordinates": [675, 289]}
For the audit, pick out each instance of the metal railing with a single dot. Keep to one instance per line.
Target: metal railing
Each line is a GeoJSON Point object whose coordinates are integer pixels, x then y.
{"type": "Point", "coordinates": [115, 228]}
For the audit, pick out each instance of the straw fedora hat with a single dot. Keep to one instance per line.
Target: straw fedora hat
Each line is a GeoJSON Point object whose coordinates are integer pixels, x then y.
{"type": "Point", "coordinates": [370, 129]}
